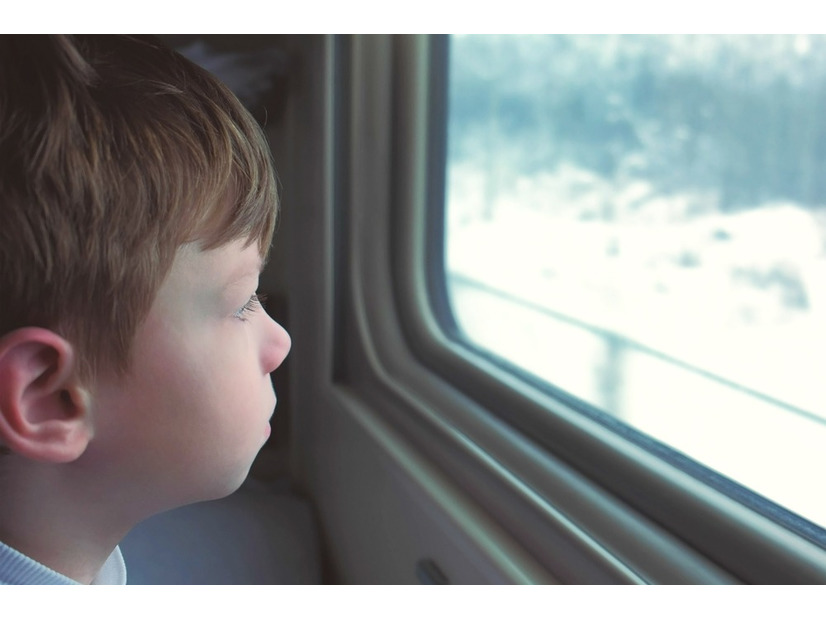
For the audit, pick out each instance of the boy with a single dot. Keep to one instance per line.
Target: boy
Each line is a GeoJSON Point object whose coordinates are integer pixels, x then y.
{"type": "Point", "coordinates": [137, 204]}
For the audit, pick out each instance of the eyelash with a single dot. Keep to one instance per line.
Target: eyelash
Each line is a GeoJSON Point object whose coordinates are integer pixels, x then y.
{"type": "Point", "coordinates": [255, 302]}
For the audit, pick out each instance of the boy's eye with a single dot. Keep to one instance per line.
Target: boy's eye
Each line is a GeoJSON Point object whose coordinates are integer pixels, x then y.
{"type": "Point", "coordinates": [251, 306]}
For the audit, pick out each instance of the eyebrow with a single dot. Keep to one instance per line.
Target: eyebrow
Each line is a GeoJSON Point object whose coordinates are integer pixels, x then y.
{"type": "Point", "coordinates": [245, 271]}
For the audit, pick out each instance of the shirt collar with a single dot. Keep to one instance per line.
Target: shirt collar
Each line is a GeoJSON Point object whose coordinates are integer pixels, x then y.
{"type": "Point", "coordinates": [19, 569]}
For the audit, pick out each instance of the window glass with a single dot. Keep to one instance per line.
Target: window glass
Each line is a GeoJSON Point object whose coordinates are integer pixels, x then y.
{"type": "Point", "coordinates": [640, 222]}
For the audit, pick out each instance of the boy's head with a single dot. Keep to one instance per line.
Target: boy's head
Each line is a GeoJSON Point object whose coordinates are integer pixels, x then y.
{"type": "Point", "coordinates": [137, 204]}
{"type": "Point", "coordinates": [114, 152]}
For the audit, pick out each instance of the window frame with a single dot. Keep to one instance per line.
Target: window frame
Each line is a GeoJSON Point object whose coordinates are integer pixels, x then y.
{"type": "Point", "coordinates": [563, 485]}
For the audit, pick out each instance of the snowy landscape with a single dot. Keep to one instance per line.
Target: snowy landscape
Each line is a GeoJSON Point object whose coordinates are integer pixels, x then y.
{"type": "Point", "coordinates": [642, 266]}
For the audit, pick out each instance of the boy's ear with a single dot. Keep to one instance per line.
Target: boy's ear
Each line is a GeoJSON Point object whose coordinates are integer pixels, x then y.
{"type": "Point", "coordinates": [44, 411]}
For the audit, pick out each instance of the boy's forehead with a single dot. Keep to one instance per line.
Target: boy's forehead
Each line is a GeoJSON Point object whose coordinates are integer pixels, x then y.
{"type": "Point", "coordinates": [224, 265]}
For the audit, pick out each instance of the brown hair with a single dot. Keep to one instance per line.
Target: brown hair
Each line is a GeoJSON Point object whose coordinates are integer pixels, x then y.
{"type": "Point", "coordinates": [115, 151]}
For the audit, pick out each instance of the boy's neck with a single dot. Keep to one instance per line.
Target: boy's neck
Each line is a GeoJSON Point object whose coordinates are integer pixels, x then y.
{"type": "Point", "coordinates": [43, 517]}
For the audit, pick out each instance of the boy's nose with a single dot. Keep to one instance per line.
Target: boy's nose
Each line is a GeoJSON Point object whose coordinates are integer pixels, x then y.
{"type": "Point", "coordinates": [276, 346]}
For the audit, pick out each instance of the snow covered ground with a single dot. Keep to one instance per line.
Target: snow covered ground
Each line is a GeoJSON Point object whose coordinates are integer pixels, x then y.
{"type": "Point", "coordinates": [740, 296]}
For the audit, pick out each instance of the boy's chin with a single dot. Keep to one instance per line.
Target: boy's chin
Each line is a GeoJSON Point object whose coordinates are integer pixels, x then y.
{"type": "Point", "coordinates": [230, 486]}
{"type": "Point", "coordinates": [216, 487]}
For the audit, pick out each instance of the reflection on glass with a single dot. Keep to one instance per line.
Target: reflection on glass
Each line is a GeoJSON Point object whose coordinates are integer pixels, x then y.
{"type": "Point", "coordinates": [641, 222]}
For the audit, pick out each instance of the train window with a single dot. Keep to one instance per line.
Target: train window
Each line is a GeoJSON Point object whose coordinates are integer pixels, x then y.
{"type": "Point", "coordinates": [639, 222]}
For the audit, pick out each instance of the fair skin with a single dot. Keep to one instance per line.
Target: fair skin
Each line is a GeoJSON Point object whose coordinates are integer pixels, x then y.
{"type": "Point", "coordinates": [183, 425]}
